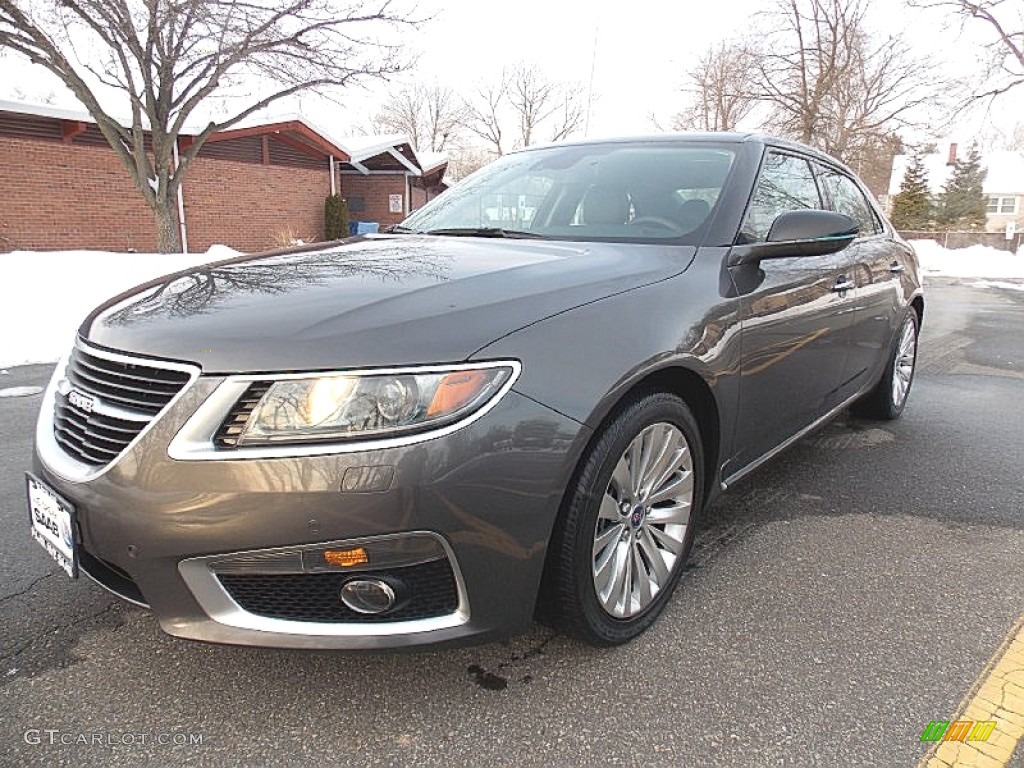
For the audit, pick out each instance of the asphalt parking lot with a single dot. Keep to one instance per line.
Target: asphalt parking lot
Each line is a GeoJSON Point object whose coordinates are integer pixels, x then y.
{"type": "Point", "coordinates": [837, 602]}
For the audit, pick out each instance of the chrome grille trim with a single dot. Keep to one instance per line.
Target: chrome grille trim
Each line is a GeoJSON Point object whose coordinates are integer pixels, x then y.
{"type": "Point", "coordinates": [210, 593]}
{"type": "Point", "coordinates": [128, 394]}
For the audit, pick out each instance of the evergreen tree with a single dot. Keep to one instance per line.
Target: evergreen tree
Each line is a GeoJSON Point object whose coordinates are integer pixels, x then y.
{"type": "Point", "coordinates": [335, 218]}
{"type": "Point", "coordinates": [912, 206]}
{"type": "Point", "coordinates": [962, 202]}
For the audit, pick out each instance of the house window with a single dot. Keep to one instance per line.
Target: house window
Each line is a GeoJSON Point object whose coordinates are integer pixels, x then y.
{"type": "Point", "coordinates": [1002, 204]}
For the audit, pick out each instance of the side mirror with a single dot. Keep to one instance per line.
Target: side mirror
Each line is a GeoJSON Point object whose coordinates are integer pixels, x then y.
{"type": "Point", "coordinates": [799, 233]}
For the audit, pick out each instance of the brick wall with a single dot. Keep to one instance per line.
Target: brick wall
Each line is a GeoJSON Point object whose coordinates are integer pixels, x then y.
{"type": "Point", "coordinates": [374, 190]}
{"type": "Point", "coordinates": [422, 195]}
{"type": "Point", "coordinates": [62, 196]}
{"type": "Point", "coordinates": [250, 207]}
{"type": "Point", "coordinates": [55, 195]}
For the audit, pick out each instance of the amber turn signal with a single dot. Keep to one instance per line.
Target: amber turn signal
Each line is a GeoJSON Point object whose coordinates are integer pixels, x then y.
{"type": "Point", "coordinates": [456, 390]}
{"type": "Point", "coordinates": [346, 557]}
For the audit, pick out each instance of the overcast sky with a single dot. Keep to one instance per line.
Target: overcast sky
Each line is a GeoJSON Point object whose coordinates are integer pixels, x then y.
{"type": "Point", "coordinates": [638, 52]}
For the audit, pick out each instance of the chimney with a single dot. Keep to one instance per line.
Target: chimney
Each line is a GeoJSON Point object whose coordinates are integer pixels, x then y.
{"type": "Point", "coordinates": [952, 154]}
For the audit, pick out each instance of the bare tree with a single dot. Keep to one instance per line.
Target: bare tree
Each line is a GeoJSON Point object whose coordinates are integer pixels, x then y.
{"type": "Point", "coordinates": [1005, 19]}
{"type": "Point", "coordinates": [431, 115]}
{"type": "Point", "coordinates": [568, 115]}
{"type": "Point", "coordinates": [466, 159]}
{"type": "Point", "coordinates": [1014, 141]}
{"type": "Point", "coordinates": [830, 83]}
{"type": "Point", "coordinates": [540, 109]}
{"type": "Point", "coordinates": [540, 103]}
{"type": "Point", "coordinates": [484, 112]}
{"type": "Point", "coordinates": [38, 96]}
{"type": "Point", "coordinates": [722, 87]}
{"type": "Point", "coordinates": [167, 57]}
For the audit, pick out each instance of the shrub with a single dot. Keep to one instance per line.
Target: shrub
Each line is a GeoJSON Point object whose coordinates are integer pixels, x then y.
{"type": "Point", "coordinates": [335, 218]}
{"type": "Point", "coordinates": [285, 237]}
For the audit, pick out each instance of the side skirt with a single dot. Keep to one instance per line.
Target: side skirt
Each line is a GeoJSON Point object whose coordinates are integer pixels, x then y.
{"type": "Point", "coordinates": [817, 423]}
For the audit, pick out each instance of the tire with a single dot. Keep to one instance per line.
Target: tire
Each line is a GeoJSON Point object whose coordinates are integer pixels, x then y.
{"type": "Point", "coordinates": [889, 397]}
{"type": "Point", "coordinates": [603, 583]}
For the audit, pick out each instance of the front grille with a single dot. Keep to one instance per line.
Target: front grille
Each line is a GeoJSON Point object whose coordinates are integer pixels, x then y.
{"type": "Point", "coordinates": [229, 432]}
{"type": "Point", "coordinates": [127, 396]}
{"type": "Point", "coordinates": [429, 591]}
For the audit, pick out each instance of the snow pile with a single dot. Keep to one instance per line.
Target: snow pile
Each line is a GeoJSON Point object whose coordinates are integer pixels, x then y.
{"type": "Point", "coordinates": [998, 284]}
{"type": "Point", "coordinates": [45, 295]}
{"type": "Point", "coordinates": [975, 261]}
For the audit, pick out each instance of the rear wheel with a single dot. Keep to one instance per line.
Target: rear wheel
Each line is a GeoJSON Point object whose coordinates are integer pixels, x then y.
{"type": "Point", "coordinates": [889, 397]}
{"type": "Point", "coordinates": [627, 525]}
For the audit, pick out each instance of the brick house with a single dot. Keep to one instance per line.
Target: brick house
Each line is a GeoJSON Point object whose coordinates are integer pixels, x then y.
{"type": "Point", "coordinates": [250, 187]}
{"type": "Point", "coordinates": [385, 179]}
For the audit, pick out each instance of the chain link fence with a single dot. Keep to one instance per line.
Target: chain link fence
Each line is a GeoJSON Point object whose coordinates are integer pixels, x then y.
{"type": "Point", "coordinates": [967, 239]}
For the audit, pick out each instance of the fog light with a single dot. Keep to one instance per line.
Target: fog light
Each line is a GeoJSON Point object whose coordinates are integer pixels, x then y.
{"type": "Point", "coordinates": [367, 596]}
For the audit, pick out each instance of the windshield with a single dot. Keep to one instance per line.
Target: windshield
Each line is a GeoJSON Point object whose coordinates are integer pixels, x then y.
{"type": "Point", "coordinates": [620, 192]}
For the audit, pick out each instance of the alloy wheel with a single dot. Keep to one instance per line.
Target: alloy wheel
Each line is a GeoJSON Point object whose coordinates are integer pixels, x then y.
{"type": "Point", "coordinates": [642, 521]}
{"type": "Point", "coordinates": [903, 365]}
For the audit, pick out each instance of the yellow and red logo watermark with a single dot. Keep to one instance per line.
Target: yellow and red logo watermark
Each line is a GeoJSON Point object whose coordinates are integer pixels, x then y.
{"type": "Point", "coordinates": [958, 730]}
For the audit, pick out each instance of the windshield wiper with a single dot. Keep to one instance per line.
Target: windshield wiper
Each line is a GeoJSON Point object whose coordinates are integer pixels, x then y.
{"type": "Point", "coordinates": [398, 229]}
{"type": "Point", "coordinates": [483, 232]}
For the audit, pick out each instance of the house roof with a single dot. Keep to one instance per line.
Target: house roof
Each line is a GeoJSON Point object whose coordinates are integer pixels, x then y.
{"type": "Point", "coordinates": [356, 148]}
{"type": "Point", "coordinates": [363, 153]}
{"type": "Point", "coordinates": [296, 132]}
{"type": "Point", "coordinates": [393, 151]}
{"type": "Point", "coordinates": [1005, 171]}
{"type": "Point", "coordinates": [362, 147]}
{"type": "Point", "coordinates": [46, 110]}
{"type": "Point", "coordinates": [431, 161]}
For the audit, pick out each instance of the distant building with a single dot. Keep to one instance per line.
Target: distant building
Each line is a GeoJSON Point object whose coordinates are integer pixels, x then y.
{"type": "Point", "coordinates": [1003, 187]}
{"type": "Point", "coordinates": [61, 186]}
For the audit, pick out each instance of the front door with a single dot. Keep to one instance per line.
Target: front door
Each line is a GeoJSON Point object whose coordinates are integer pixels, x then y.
{"type": "Point", "coordinates": [797, 313]}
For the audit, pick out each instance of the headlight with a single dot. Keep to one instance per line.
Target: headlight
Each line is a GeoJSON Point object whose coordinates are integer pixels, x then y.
{"type": "Point", "coordinates": [359, 406]}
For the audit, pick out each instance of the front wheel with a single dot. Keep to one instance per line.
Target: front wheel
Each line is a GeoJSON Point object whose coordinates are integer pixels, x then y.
{"type": "Point", "coordinates": [889, 397]}
{"type": "Point", "coordinates": [628, 523]}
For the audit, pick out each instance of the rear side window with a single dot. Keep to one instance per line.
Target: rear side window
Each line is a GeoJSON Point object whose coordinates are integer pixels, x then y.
{"type": "Point", "coordinates": [847, 198]}
{"type": "Point", "coordinates": [786, 184]}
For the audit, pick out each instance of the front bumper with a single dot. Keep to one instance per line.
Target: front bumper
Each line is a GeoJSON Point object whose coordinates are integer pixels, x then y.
{"type": "Point", "coordinates": [489, 493]}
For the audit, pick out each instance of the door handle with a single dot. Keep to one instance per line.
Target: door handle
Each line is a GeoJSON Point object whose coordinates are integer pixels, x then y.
{"type": "Point", "coordinates": [843, 284]}
{"type": "Point", "coordinates": [896, 268]}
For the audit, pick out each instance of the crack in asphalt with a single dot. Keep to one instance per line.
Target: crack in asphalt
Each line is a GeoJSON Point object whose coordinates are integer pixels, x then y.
{"type": "Point", "coordinates": [53, 630]}
{"type": "Point", "coordinates": [26, 590]}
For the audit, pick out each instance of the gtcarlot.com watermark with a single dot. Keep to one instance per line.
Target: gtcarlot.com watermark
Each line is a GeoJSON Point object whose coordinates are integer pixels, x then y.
{"type": "Point", "coordinates": [55, 737]}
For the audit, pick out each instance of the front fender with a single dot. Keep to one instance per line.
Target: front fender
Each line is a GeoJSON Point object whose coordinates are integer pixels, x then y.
{"type": "Point", "coordinates": [582, 362]}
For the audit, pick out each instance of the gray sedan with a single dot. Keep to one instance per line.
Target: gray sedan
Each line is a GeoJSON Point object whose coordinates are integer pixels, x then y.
{"type": "Point", "coordinates": [514, 404]}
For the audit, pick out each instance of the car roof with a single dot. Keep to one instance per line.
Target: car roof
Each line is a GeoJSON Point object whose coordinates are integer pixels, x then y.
{"type": "Point", "coordinates": [720, 137]}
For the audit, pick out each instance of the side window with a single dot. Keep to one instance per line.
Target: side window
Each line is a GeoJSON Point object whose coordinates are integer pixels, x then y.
{"type": "Point", "coordinates": [786, 184]}
{"type": "Point", "coordinates": [847, 198]}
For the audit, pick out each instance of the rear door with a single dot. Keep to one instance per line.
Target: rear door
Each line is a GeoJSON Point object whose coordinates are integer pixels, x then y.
{"type": "Point", "coordinates": [873, 262]}
{"type": "Point", "coordinates": [796, 316]}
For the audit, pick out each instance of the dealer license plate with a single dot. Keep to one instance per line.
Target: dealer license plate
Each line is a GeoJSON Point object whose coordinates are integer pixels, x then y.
{"type": "Point", "coordinates": [53, 524]}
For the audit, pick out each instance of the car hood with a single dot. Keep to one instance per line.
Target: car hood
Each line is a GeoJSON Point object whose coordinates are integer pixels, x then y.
{"type": "Point", "coordinates": [379, 301]}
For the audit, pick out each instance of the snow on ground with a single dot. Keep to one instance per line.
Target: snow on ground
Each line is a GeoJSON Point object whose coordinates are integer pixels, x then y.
{"type": "Point", "coordinates": [975, 261]}
{"type": "Point", "coordinates": [998, 284]}
{"type": "Point", "coordinates": [45, 295]}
